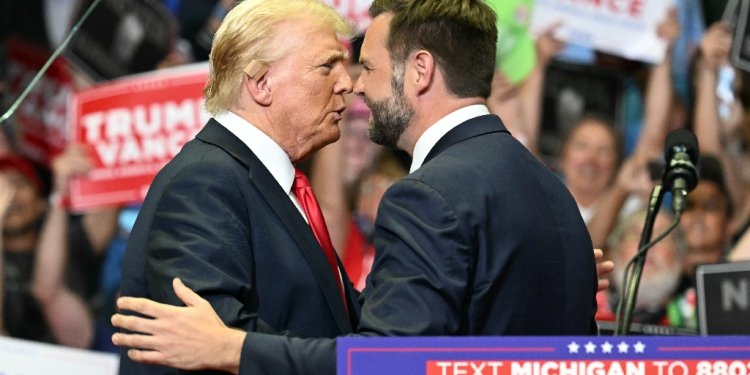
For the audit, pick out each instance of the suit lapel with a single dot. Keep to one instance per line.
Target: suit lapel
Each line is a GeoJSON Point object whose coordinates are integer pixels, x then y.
{"type": "Point", "coordinates": [352, 297]}
{"type": "Point", "coordinates": [472, 128]}
{"type": "Point", "coordinates": [218, 135]}
{"type": "Point", "coordinates": [305, 239]}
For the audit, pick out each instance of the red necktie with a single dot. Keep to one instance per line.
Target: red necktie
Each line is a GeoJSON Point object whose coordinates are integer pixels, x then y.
{"type": "Point", "coordinates": [306, 198]}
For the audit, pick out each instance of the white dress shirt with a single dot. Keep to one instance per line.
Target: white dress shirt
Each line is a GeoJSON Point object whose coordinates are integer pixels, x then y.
{"type": "Point", "coordinates": [273, 157]}
{"type": "Point", "coordinates": [432, 135]}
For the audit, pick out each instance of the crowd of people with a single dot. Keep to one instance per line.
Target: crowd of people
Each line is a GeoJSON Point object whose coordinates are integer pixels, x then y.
{"type": "Point", "coordinates": [59, 270]}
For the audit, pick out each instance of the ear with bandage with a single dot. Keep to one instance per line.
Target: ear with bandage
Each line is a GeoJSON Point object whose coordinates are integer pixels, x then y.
{"type": "Point", "coordinates": [256, 70]}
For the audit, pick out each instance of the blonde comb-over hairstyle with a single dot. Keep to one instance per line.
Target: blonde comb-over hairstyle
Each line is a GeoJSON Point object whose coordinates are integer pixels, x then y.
{"type": "Point", "coordinates": [247, 34]}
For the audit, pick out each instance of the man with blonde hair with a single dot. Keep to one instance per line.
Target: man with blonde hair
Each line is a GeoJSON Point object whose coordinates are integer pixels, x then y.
{"type": "Point", "coordinates": [230, 215]}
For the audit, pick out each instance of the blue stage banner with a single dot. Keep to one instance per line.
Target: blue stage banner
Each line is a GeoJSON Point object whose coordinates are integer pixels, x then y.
{"type": "Point", "coordinates": [579, 355]}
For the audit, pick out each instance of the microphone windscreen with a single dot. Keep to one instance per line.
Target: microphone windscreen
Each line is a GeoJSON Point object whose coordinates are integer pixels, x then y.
{"type": "Point", "coordinates": [685, 138]}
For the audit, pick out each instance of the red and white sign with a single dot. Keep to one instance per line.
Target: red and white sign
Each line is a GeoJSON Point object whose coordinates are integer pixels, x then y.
{"type": "Point", "coordinates": [625, 28]}
{"type": "Point", "coordinates": [42, 118]}
{"type": "Point", "coordinates": [134, 126]}
{"type": "Point", "coordinates": [353, 10]}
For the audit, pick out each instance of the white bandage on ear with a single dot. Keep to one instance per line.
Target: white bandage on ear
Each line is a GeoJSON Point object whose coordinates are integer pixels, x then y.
{"type": "Point", "coordinates": [256, 70]}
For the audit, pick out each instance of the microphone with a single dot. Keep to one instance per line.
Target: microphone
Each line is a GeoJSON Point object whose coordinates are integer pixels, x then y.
{"type": "Point", "coordinates": [680, 175]}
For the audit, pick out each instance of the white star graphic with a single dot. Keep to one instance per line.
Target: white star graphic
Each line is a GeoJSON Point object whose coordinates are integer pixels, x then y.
{"type": "Point", "coordinates": [623, 347]}
{"type": "Point", "coordinates": [607, 347]}
{"type": "Point", "coordinates": [639, 346]}
{"type": "Point", "coordinates": [590, 347]}
{"type": "Point", "coordinates": [573, 347]}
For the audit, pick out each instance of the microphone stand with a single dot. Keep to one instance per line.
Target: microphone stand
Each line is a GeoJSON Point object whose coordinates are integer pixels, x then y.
{"type": "Point", "coordinates": [622, 327]}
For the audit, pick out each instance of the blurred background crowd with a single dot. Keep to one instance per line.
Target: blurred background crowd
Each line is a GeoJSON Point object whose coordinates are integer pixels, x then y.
{"type": "Point", "coordinates": [598, 120]}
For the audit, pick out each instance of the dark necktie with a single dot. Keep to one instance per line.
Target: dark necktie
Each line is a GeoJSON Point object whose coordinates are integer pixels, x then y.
{"type": "Point", "coordinates": [306, 198]}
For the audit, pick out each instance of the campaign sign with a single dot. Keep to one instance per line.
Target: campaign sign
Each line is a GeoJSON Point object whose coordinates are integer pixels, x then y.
{"type": "Point", "coordinates": [575, 355]}
{"type": "Point", "coordinates": [42, 118]}
{"type": "Point", "coordinates": [626, 28]}
{"type": "Point", "coordinates": [724, 298]}
{"type": "Point", "coordinates": [133, 127]}
{"type": "Point", "coordinates": [21, 357]}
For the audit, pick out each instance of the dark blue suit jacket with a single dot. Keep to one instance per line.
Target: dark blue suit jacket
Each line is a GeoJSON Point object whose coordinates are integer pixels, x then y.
{"type": "Point", "coordinates": [216, 218]}
{"type": "Point", "coordinates": [483, 239]}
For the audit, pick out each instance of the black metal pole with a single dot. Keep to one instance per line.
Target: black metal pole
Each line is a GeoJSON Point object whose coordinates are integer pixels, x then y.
{"type": "Point", "coordinates": [657, 196]}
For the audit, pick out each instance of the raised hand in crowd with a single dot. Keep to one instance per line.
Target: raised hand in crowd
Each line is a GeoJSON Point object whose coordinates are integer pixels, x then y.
{"type": "Point", "coordinates": [7, 191]}
{"type": "Point", "coordinates": [98, 223]}
{"type": "Point", "coordinates": [717, 85]}
{"type": "Point", "coordinates": [520, 105]}
{"type": "Point", "coordinates": [532, 89]}
{"type": "Point", "coordinates": [547, 46]}
{"type": "Point", "coordinates": [633, 179]}
{"type": "Point", "coordinates": [74, 161]}
{"type": "Point", "coordinates": [659, 96]}
{"type": "Point", "coordinates": [67, 313]}
{"type": "Point", "coordinates": [716, 45]}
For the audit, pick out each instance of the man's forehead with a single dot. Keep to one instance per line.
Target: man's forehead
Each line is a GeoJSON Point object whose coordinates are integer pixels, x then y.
{"type": "Point", "coordinates": [307, 38]}
{"type": "Point", "coordinates": [377, 33]}
{"type": "Point", "coordinates": [317, 51]}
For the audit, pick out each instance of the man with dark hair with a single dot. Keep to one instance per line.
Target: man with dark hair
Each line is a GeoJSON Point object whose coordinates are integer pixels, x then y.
{"type": "Point", "coordinates": [446, 29]}
{"type": "Point", "coordinates": [479, 239]}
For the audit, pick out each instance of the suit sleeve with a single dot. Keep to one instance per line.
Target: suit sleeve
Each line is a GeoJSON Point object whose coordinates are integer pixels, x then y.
{"type": "Point", "coordinates": [200, 233]}
{"type": "Point", "coordinates": [423, 265]}
{"type": "Point", "coordinates": [417, 285]}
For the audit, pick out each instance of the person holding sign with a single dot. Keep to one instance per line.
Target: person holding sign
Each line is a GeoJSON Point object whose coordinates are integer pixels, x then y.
{"type": "Point", "coordinates": [480, 239]}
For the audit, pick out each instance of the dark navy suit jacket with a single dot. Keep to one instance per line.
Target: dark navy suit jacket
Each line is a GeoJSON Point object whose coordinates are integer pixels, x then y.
{"type": "Point", "coordinates": [216, 218]}
{"type": "Point", "coordinates": [483, 239]}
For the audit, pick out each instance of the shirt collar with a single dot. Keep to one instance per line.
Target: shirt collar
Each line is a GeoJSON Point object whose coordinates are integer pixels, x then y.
{"type": "Point", "coordinates": [273, 157]}
{"type": "Point", "coordinates": [432, 135]}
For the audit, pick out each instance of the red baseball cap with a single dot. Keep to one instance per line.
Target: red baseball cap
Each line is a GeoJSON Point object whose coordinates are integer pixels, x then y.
{"type": "Point", "coordinates": [22, 165]}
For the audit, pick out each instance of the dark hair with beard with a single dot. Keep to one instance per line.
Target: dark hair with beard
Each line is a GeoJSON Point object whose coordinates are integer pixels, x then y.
{"type": "Point", "coordinates": [390, 116]}
{"type": "Point", "coordinates": [460, 34]}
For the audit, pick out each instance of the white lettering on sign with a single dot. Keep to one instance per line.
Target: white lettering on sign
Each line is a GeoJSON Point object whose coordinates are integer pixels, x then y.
{"type": "Point", "coordinates": [124, 136]}
{"type": "Point", "coordinates": [577, 368]}
{"type": "Point", "coordinates": [468, 367]}
{"type": "Point", "coordinates": [735, 295]}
